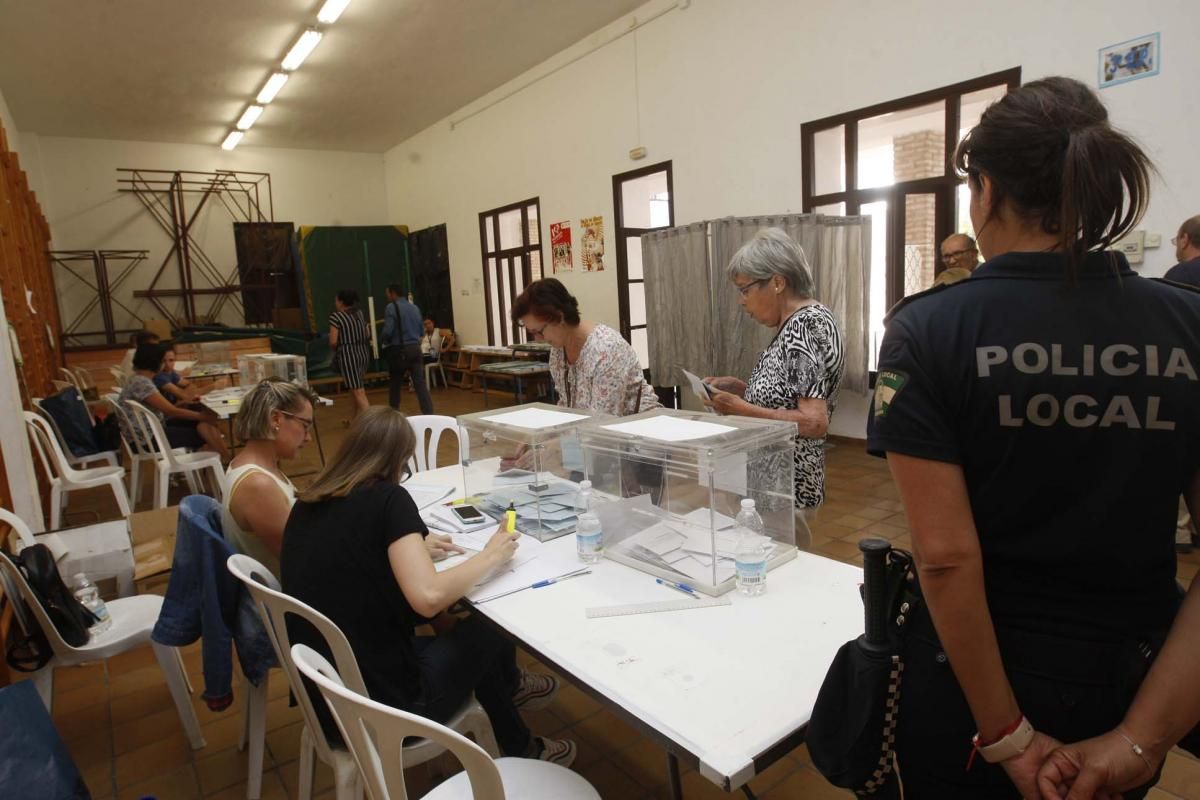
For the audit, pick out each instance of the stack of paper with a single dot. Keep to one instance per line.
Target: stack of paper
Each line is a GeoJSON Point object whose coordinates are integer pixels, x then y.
{"type": "Point", "coordinates": [425, 496]}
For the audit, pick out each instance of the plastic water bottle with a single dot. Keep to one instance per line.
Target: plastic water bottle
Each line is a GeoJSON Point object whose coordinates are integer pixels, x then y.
{"type": "Point", "coordinates": [589, 539]}
{"type": "Point", "coordinates": [87, 593]}
{"type": "Point", "coordinates": [583, 498]}
{"type": "Point", "coordinates": [751, 551]}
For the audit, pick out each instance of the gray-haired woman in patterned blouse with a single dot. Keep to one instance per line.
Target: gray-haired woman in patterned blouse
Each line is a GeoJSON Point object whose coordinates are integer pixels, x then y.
{"type": "Point", "coordinates": [797, 376]}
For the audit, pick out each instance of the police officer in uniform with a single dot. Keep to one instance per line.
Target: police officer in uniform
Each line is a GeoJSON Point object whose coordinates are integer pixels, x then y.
{"type": "Point", "coordinates": [1040, 421]}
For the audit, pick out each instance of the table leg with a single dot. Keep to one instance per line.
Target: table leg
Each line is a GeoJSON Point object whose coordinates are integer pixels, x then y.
{"type": "Point", "coordinates": [748, 791]}
{"type": "Point", "coordinates": [675, 787]}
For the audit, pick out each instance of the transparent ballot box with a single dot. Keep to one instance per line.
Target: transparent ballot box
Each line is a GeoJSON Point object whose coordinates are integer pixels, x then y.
{"type": "Point", "coordinates": [529, 457]}
{"type": "Point", "coordinates": [672, 484]}
{"type": "Point", "coordinates": [256, 367]}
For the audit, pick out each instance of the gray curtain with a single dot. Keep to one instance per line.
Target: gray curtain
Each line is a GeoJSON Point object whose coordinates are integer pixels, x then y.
{"type": "Point", "coordinates": [712, 332]}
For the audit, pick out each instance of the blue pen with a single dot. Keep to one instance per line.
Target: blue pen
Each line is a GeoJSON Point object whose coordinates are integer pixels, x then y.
{"type": "Point", "coordinates": [679, 587]}
{"type": "Point", "coordinates": [550, 581]}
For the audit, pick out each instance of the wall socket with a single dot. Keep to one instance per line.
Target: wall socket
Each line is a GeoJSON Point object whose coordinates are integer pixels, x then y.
{"type": "Point", "coordinates": [1153, 240]}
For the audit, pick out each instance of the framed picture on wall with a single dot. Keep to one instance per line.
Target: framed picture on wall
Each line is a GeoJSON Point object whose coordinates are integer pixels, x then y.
{"type": "Point", "coordinates": [1129, 60]}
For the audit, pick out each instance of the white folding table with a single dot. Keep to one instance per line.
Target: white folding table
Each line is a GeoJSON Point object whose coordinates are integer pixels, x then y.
{"type": "Point", "coordinates": [729, 689]}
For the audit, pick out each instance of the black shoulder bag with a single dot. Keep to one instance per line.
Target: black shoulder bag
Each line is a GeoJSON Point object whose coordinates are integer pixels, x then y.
{"type": "Point", "coordinates": [853, 727]}
{"type": "Point", "coordinates": [30, 651]}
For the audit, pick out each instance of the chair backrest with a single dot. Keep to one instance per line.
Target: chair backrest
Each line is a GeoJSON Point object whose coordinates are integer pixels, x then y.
{"type": "Point", "coordinates": [375, 734]}
{"type": "Point", "coordinates": [71, 378]}
{"type": "Point", "coordinates": [152, 431]}
{"type": "Point", "coordinates": [436, 425]}
{"type": "Point", "coordinates": [54, 461]}
{"type": "Point", "coordinates": [119, 376]}
{"type": "Point", "coordinates": [274, 607]}
{"type": "Point", "coordinates": [83, 378]}
{"type": "Point", "coordinates": [6, 583]}
{"type": "Point", "coordinates": [132, 444]}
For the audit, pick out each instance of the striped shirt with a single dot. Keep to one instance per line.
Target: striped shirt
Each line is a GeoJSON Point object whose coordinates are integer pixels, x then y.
{"type": "Point", "coordinates": [351, 327]}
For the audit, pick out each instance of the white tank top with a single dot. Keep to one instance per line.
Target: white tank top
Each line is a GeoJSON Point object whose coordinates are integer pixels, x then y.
{"type": "Point", "coordinates": [245, 541]}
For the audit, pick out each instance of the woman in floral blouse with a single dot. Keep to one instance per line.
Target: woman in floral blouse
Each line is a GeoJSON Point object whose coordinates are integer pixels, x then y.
{"type": "Point", "coordinates": [593, 368]}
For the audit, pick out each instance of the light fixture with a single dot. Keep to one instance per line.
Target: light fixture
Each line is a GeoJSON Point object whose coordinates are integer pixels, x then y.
{"type": "Point", "coordinates": [330, 12]}
{"type": "Point", "coordinates": [249, 117]}
{"type": "Point", "coordinates": [301, 49]}
{"type": "Point", "coordinates": [231, 141]}
{"type": "Point", "coordinates": [272, 87]}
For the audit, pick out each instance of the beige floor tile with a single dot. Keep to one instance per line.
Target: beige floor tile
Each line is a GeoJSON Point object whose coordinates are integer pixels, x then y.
{"type": "Point", "coordinates": [608, 732]}
{"type": "Point", "coordinates": [226, 768]}
{"type": "Point", "coordinates": [179, 784]}
{"type": "Point", "coordinates": [222, 734]}
{"type": "Point", "coordinates": [147, 730]}
{"type": "Point", "coordinates": [272, 789]}
{"type": "Point", "coordinates": [280, 714]}
{"type": "Point", "coordinates": [284, 743]}
{"type": "Point", "coordinates": [135, 680]}
{"type": "Point", "coordinates": [322, 780]}
{"type": "Point", "coordinates": [644, 761]}
{"type": "Point", "coordinates": [610, 782]}
{"type": "Point", "coordinates": [93, 750]}
{"type": "Point", "coordinates": [82, 722]}
{"type": "Point", "coordinates": [774, 775]}
{"type": "Point", "coordinates": [68, 678]}
{"type": "Point", "coordinates": [131, 660]}
{"type": "Point", "coordinates": [808, 784]}
{"type": "Point", "coordinates": [74, 700]}
{"type": "Point", "coordinates": [152, 760]}
{"type": "Point", "coordinates": [136, 705]}
{"type": "Point", "coordinates": [99, 779]}
{"type": "Point", "coordinates": [572, 705]}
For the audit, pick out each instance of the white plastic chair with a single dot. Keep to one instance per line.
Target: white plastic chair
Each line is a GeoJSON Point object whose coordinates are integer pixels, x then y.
{"type": "Point", "coordinates": [135, 451]}
{"type": "Point", "coordinates": [274, 607]}
{"type": "Point", "coordinates": [169, 460]}
{"type": "Point", "coordinates": [119, 376]}
{"type": "Point", "coordinates": [109, 457]}
{"type": "Point", "coordinates": [133, 619]}
{"type": "Point", "coordinates": [436, 425]}
{"type": "Point", "coordinates": [435, 368]}
{"type": "Point", "coordinates": [376, 733]}
{"type": "Point", "coordinates": [64, 478]}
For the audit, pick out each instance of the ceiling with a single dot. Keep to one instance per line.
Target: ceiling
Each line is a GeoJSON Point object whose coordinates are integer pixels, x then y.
{"type": "Point", "coordinates": [183, 70]}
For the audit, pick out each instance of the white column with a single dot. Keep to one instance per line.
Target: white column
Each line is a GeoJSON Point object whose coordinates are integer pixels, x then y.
{"type": "Point", "coordinates": [14, 442]}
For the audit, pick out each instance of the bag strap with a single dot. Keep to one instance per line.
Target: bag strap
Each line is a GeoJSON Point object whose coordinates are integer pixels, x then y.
{"type": "Point", "coordinates": [891, 716]}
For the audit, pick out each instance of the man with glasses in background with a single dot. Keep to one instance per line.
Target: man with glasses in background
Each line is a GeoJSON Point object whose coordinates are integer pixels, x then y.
{"type": "Point", "coordinates": [1187, 253]}
{"type": "Point", "coordinates": [960, 257]}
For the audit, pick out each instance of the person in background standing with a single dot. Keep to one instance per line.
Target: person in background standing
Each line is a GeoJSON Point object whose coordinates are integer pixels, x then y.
{"type": "Point", "coordinates": [351, 343]}
{"type": "Point", "coordinates": [401, 340]}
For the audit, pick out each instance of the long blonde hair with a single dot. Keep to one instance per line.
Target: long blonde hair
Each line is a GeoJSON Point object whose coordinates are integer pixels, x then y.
{"type": "Point", "coordinates": [378, 447]}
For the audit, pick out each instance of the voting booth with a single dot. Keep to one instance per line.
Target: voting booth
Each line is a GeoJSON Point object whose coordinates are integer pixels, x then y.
{"type": "Point", "coordinates": [672, 482]}
{"type": "Point", "coordinates": [529, 458]}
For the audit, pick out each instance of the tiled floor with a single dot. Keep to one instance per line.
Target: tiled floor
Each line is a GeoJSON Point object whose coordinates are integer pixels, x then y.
{"type": "Point", "coordinates": [122, 730]}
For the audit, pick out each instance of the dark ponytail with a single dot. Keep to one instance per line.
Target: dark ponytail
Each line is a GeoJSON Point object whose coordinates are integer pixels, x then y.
{"type": "Point", "coordinates": [1051, 154]}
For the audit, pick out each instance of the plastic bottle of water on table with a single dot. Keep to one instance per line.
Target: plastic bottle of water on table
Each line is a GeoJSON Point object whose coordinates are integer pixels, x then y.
{"type": "Point", "coordinates": [87, 594]}
{"type": "Point", "coordinates": [583, 498]}
{"type": "Point", "coordinates": [589, 539]}
{"type": "Point", "coordinates": [751, 550]}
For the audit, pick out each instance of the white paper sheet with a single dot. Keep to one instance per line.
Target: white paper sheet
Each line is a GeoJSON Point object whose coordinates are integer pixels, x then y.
{"type": "Point", "coordinates": [425, 495]}
{"type": "Point", "coordinates": [699, 387]}
{"type": "Point", "coordinates": [523, 574]}
{"type": "Point", "coordinates": [534, 418]}
{"type": "Point", "coordinates": [666, 428]}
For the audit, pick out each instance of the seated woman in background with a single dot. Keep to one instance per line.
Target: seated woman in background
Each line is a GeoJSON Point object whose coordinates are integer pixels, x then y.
{"type": "Point", "coordinates": [196, 430]}
{"type": "Point", "coordinates": [173, 386]}
{"type": "Point", "coordinates": [274, 423]}
{"type": "Point", "coordinates": [796, 378]}
{"type": "Point", "coordinates": [592, 367]}
{"type": "Point", "coordinates": [355, 549]}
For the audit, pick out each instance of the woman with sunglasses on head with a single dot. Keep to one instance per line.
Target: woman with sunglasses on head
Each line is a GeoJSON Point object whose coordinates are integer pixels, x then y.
{"type": "Point", "coordinates": [357, 550]}
{"type": "Point", "coordinates": [1041, 421]}
{"type": "Point", "coordinates": [796, 378]}
{"type": "Point", "coordinates": [273, 424]}
{"type": "Point", "coordinates": [592, 367]}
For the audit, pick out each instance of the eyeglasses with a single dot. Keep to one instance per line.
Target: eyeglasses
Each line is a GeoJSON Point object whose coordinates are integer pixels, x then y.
{"type": "Point", "coordinates": [957, 253]}
{"type": "Point", "coordinates": [1175, 239]}
{"type": "Point", "coordinates": [745, 288]}
{"type": "Point", "coordinates": [537, 331]}
{"type": "Point", "coordinates": [307, 423]}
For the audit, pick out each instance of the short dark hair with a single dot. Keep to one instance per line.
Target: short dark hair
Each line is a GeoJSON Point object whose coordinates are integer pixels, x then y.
{"type": "Point", "coordinates": [547, 299]}
{"type": "Point", "coordinates": [1050, 153]}
{"type": "Point", "coordinates": [348, 297]}
{"type": "Point", "coordinates": [1191, 227]}
{"type": "Point", "coordinates": [144, 337]}
{"type": "Point", "coordinates": [396, 289]}
{"type": "Point", "coordinates": [149, 356]}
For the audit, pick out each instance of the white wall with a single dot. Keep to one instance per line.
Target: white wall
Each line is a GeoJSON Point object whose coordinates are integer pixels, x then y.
{"type": "Point", "coordinates": [76, 180]}
{"type": "Point", "coordinates": [724, 88]}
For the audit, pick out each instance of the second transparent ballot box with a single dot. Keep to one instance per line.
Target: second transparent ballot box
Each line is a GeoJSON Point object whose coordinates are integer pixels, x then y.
{"type": "Point", "coordinates": [256, 367]}
{"type": "Point", "coordinates": [529, 458]}
{"type": "Point", "coordinates": [670, 485]}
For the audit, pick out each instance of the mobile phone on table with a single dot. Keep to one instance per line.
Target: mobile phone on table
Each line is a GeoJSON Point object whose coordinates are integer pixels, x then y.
{"type": "Point", "coordinates": [468, 513]}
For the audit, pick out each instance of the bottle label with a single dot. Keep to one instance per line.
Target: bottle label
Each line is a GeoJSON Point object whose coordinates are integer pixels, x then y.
{"type": "Point", "coordinates": [752, 572]}
{"type": "Point", "coordinates": [588, 542]}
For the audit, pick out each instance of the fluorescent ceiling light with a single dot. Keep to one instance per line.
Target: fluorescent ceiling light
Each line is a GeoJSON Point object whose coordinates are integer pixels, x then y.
{"type": "Point", "coordinates": [249, 117]}
{"type": "Point", "coordinates": [272, 87]}
{"type": "Point", "coordinates": [300, 50]}
{"type": "Point", "coordinates": [330, 12]}
{"type": "Point", "coordinates": [231, 141]}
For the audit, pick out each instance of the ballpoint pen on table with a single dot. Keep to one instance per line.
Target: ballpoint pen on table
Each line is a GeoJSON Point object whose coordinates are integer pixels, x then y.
{"type": "Point", "coordinates": [539, 584]}
{"type": "Point", "coordinates": [679, 587]}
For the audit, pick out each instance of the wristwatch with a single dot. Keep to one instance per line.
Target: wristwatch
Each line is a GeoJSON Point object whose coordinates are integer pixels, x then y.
{"type": "Point", "coordinates": [1012, 743]}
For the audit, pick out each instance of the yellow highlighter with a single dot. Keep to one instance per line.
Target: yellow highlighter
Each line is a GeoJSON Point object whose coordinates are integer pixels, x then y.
{"type": "Point", "coordinates": [511, 517]}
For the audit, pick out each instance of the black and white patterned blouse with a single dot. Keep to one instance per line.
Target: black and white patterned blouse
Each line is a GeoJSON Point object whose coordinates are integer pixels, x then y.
{"type": "Point", "coordinates": [805, 359]}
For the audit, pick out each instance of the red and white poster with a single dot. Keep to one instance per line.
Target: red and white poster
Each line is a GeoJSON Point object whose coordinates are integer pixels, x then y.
{"type": "Point", "coordinates": [560, 246]}
{"type": "Point", "coordinates": [591, 243]}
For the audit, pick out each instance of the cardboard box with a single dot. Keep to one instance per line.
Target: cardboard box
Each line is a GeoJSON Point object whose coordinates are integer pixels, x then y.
{"type": "Point", "coordinates": [153, 536]}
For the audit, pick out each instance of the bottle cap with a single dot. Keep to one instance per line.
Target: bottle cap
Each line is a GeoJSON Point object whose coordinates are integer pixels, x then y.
{"type": "Point", "coordinates": [747, 503]}
{"type": "Point", "coordinates": [585, 485]}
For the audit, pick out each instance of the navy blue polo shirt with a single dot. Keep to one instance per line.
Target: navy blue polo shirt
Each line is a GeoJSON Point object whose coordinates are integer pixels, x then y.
{"type": "Point", "coordinates": [1185, 272]}
{"type": "Point", "coordinates": [1074, 412]}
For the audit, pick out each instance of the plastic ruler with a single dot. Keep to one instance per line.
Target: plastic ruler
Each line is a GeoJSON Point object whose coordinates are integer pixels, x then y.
{"type": "Point", "coordinates": [654, 608]}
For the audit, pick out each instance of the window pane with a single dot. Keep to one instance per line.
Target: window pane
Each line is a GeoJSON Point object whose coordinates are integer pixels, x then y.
{"type": "Point", "coordinates": [878, 212]}
{"type": "Point", "coordinates": [535, 264]}
{"type": "Point", "coordinates": [964, 225]}
{"type": "Point", "coordinates": [637, 303]}
{"type": "Point", "coordinates": [641, 346]}
{"type": "Point", "coordinates": [644, 201]}
{"type": "Point", "coordinates": [493, 300]}
{"type": "Point", "coordinates": [829, 160]}
{"type": "Point", "coordinates": [505, 298]}
{"type": "Point", "coordinates": [833, 209]}
{"type": "Point", "coordinates": [510, 230]}
{"type": "Point", "coordinates": [491, 239]}
{"type": "Point", "coordinates": [902, 146]}
{"type": "Point", "coordinates": [633, 256]}
{"type": "Point", "coordinates": [973, 105]}
{"type": "Point", "coordinates": [920, 249]}
{"type": "Point", "coordinates": [532, 211]}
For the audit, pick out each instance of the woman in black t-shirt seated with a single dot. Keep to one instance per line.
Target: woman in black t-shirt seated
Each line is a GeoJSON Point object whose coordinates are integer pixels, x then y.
{"type": "Point", "coordinates": [355, 549]}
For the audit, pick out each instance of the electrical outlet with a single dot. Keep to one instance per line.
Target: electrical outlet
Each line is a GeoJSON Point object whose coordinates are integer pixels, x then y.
{"type": "Point", "coordinates": [1153, 240]}
{"type": "Point", "coordinates": [466, 292]}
